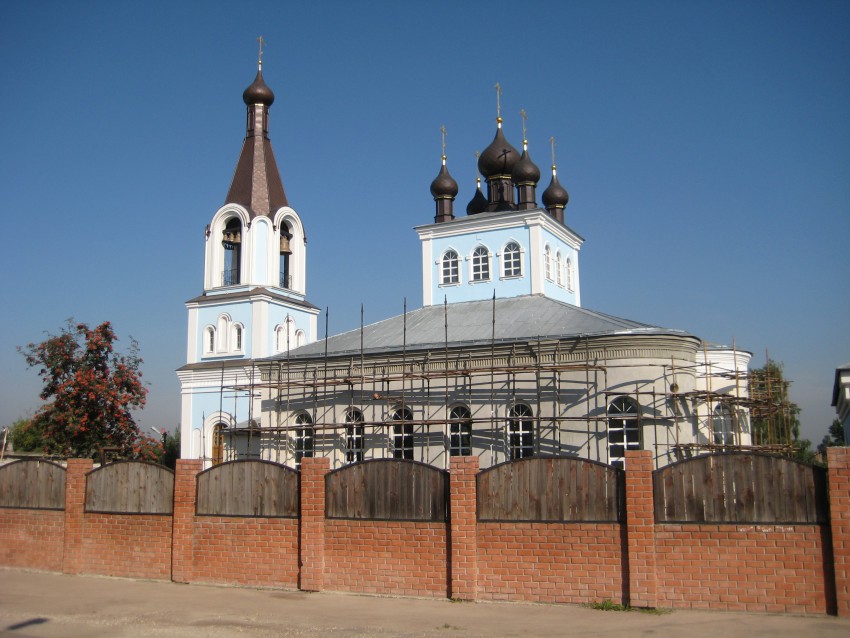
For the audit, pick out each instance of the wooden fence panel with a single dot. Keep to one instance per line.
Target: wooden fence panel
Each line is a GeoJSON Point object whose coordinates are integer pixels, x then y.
{"type": "Point", "coordinates": [387, 489]}
{"type": "Point", "coordinates": [740, 487]}
{"type": "Point", "coordinates": [551, 489]}
{"type": "Point", "coordinates": [32, 484]}
{"type": "Point", "coordinates": [249, 488]}
{"type": "Point", "coordinates": [130, 487]}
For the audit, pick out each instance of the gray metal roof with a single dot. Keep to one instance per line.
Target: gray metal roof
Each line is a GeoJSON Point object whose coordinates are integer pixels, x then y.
{"type": "Point", "coordinates": [471, 322]}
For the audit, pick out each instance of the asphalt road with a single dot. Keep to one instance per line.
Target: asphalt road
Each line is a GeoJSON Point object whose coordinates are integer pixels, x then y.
{"type": "Point", "coordinates": [37, 604]}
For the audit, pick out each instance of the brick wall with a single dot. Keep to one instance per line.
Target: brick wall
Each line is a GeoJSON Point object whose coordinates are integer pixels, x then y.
{"type": "Point", "coordinates": [246, 551]}
{"type": "Point", "coordinates": [787, 568]}
{"type": "Point", "coordinates": [253, 551]}
{"type": "Point", "coordinates": [550, 562]}
{"type": "Point", "coordinates": [774, 568]}
{"type": "Point", "coordinates": [386, 557]}
{"type": "Point", "coordinates": [33, 539]}
{"type": "Point", "coordinates": [839, 510]}
{"type": "Point", "coordinates": [128, 545]}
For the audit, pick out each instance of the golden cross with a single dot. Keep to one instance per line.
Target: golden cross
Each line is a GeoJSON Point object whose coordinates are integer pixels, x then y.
{"type": "Point", "coordinates": [552, 140]}
{"type": "Point", "coordinates": [443, 131]}
{"type": "Point", "coordinates": [524, 118]}
{"type": "Point", "coordinates": [498, 100]}
{"type": "Point", "coordinates": [262, 42]}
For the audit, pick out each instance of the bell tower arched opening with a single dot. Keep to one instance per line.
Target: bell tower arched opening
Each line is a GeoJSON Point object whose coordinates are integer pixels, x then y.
{"type": "Point", "coordinates": [232, 242]}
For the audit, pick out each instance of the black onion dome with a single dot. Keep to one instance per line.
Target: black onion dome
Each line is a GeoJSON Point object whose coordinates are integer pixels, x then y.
{"type": "Point", "coordinates": [444, 184]}
{"type": "Point", "coordinates": [478, 203]}
{"type": "Point", "coordinates": [525, 171]}
{"type": "Point", "coordinates": [258, 92]}
{"type": "Point", "coordinates": [495, 160]}
{"type": "Point", "coordinates": [555, 194]}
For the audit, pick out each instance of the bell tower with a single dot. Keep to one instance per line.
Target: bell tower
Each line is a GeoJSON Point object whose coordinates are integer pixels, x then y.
{"type": "Point", "coordinates": [253, 304]}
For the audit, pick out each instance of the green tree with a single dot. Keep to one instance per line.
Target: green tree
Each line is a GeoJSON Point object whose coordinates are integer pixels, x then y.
{"type": "Point", "coordinates": [170, 448]}
{"type": "Point", "coordinates": [775, 418]}
{"type": "Point", "coordinates": [90, 391]}
{"type": "Point", "coordinates": [25, 436]}
{"type": "Point", "coordinates": [834, 437]}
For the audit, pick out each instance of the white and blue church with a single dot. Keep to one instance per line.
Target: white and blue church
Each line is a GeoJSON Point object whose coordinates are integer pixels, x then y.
{"type": "Point", "coordinates": [501, 361]}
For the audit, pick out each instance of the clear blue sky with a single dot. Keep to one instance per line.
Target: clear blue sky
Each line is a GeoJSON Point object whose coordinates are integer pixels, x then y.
{"type": "Point", "coordinates": [705, 146]}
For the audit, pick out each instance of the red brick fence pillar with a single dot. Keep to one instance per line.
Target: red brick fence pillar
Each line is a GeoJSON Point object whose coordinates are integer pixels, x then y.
{"type": "Point", "coordinates": [640, 529]}
{"type": "Point", "coordinates": [839, 513]}
{"type": "Point", "coordinates": [312, 558]}
{"type": "Point", "coordinates": [182, 529]}
{"type": "Point", "coordinates": [463, 532]}
{"type": "Point", "coordinates": [75, 504]}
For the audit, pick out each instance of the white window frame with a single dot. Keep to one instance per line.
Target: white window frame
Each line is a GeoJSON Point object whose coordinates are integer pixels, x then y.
{"type": "Point", "coordinates": [237, 335]}
{"type": "Point", "coordinates": [304, 439]}
{"type": "Point", "coordinates": [479, 265]}
{"type": "Point", "coordinates": [460, 430]}
{"type": "Point", "coordinates": [570, 275]}
{"type": "Point", "coordinates": [520, 431]}
{"type": "Point", "coordinates": [355, 434]}
{"type": "Point", "coordinates": [402, 433]}
{"type": "Point", "coordinates": [547, 262]}
{"type": "Point", "coordinates": [209, 341]}
{"type": "Point", "coordinates": [559, 269]}
{"type": "Point", "coordinates": [723, 425]}
{"type": "Point", "coordinates": [623, 418]}
{"type": "Point", "coordinates": [516, 271]}
{"type": "Point", "coordinates": [444, 269]}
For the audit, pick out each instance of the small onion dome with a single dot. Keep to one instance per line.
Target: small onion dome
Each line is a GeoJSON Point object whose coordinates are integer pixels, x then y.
{"type": "Point", "coordinates": [478, 203]}
{"type": "Point", "coordinates": [258, 92]}
{"type": "Point", "coordinates": [555, 194]}
{"type": "Point", "coordinates": [498, 158]}
{"type": "Point", "coordinates": [525, 171]}
{"type": "Point", "coordinates": [444, 185]}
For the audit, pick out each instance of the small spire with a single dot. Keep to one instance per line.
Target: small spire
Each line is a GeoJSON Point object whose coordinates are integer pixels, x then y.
{"type": "Point", "coordinates": [444, 188]}
{"type": "Point", "coordinates": [260, 56]}
{"type": "Point", "coordinates": [443, 132]}
{"type": "Point", "coordinates": [552, 141]}
{"type": "Point", "coordinates": [498, 88]}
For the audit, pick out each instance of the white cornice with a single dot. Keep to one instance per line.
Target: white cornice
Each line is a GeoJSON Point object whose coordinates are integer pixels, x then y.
{"type": "Point", "coordinates": [497, 221]}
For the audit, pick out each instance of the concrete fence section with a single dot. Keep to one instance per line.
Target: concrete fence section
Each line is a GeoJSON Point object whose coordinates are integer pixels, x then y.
{"type": "Point", "coordinates": [710, 533]}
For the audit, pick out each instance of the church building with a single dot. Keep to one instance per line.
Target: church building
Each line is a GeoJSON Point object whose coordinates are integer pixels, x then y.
{"type": "Point", "coordinates": [501, 361]}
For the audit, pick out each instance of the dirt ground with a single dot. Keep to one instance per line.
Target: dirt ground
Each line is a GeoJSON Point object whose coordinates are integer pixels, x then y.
{"type": "Point", "coordinates": [36, 604]}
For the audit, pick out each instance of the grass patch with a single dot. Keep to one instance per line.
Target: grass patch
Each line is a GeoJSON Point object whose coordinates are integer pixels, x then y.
{"type": "Point", "coordinates": [610, 605]}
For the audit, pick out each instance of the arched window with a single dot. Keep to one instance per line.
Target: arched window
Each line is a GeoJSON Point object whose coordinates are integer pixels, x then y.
{"type": "Point", "coordinates": [237, 338]}
{"type": "Point", "coordinates": [520, 431]}
{"type": "Point", "coordinates": [450, 273]}
{"type": "Point", "coordinates": [303, 438]}
{"type": "Point", "coordinates": [511, 264]}
{"type": "Point", "coordinates": [402, 434]}
{"type": "Point", "coordinates": [286, 337]}
{"type": "Point", "coordinates": [285, 255]}
{"type": "Point", "coordinates": [559, 269]}
{"type": "Point", "coordinates": [480, 264]}
{"type": "Point", "coordinates": [232, 241]}
{"type": "Point", "coordinates": [722, 425]}
{"type": "Point", "coordinates": [547, 262]}
{"type": "Point", "coordinates": [353, 436]}
{"type": "Point", "coordinates": [570, 284]}
{"type": "Point", "coordinates": [218, 443]}
{"type": "Point", "coordinates": [460, 431]}
{"type": "Point", "coordinates": [299, 338]}
{"type": "Point", "coordinates": [623, 429]}
{"type": "Point", "coordinates": [209, 340]}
